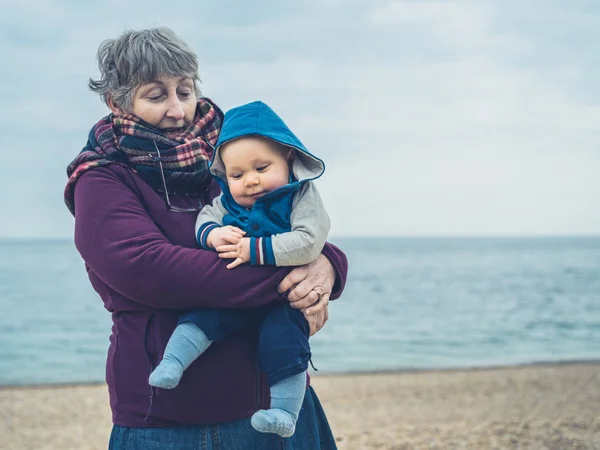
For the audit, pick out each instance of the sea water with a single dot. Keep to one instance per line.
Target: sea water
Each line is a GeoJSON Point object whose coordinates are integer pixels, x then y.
{"type": "Point", "coordinates": [409, 303]}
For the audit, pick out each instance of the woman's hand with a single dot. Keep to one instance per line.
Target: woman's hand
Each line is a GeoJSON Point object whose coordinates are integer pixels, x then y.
{"type": "Point", "coordinates": [316, 321]}
{"type": "Point", "coordinates": [310, 286]}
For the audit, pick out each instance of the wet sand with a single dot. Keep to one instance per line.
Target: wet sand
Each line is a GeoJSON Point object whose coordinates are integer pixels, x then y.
{"type": "Point", "coordinates": [529, 407]}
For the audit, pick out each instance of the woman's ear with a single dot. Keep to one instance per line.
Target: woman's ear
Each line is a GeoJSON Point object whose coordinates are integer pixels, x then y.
{"type": "Point", "coordinates": [111, 105]}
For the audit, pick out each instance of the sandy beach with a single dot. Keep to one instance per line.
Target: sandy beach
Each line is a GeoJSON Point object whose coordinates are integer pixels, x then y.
{"type": "Point", "coordinates": [530, 407]}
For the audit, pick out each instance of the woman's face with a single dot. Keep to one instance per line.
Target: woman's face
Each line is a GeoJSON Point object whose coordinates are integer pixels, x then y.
{"type": "Point", "coordinates": [168, 103]}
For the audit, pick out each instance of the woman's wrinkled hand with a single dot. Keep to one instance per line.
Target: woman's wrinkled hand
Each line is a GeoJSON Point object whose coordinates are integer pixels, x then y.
{"type": "Point", "coordinates": [317, 320]}
{"type": "Point", "coordinates": [310, 286]}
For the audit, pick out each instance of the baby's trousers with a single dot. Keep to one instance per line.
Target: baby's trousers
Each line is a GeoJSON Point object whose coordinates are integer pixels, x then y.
{"type": "Point", "coordinates": [283, 348]}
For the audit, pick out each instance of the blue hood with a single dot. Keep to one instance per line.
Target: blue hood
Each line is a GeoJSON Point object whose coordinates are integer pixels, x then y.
{"type": "Point", "coordinates": [258, 119]}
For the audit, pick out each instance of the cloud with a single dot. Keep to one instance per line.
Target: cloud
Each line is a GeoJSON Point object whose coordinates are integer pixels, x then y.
{"type": "Point", "coordinates": [435, 117]}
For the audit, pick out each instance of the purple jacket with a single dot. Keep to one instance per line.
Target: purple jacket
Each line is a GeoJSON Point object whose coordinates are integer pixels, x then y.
{"type": "Point", "coordinates": [146, 266]}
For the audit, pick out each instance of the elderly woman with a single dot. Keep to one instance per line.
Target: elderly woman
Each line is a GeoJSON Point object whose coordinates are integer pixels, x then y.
{"type": "Point", "coordinates": [135, 190]}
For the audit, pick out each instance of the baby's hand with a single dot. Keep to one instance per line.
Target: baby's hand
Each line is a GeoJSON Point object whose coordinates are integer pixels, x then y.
{"type": "Point", "coordinates": [240, 251]}
{"type": "Point", "coordinates": [223, 236]}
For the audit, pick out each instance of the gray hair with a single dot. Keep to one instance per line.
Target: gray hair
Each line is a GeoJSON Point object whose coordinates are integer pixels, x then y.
{"type": "Point", "coordinates": [140, 57]}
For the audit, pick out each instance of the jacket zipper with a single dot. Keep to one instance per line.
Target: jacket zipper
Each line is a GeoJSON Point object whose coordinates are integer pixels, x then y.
{"type": "Point", "coordinates": [151, 367]}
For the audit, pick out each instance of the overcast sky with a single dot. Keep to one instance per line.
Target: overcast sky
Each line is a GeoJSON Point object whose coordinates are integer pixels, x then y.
{"type": "Point", "coordinates": [433, 117]}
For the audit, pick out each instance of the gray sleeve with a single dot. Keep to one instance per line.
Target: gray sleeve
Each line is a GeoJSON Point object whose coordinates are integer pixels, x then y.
{"type": "Point", "coordinates": [211, 213]}
{"type": "Point", "coordinates": [309, 228]}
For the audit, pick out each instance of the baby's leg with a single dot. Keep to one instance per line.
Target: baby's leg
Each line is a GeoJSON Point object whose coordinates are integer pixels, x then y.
{"type": "Point", "coordinates": [196, 331]}
{"type": "Point", "coordinates": [186, 343]}
{"type": "Point", "coordinates": [283, 354]}
{"type": "Point", "coordinates": [286, 400]}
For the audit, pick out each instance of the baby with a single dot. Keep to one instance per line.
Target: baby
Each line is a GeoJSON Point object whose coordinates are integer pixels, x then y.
{"type": "Point", "coordinates": [269, 212]}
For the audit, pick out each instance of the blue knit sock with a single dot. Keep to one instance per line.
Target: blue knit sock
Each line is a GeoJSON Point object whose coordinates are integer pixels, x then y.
{"type": "Point", "coordinates": [185, 345]}
{"type": "Point", "coordinates": [286, 400]}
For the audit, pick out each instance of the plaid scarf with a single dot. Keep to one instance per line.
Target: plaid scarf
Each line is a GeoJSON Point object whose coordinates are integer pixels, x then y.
{"type": "Point", "coordinates": [129, 141]}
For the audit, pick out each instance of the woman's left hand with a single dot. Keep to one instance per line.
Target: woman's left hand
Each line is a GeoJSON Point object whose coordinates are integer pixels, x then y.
{"type": "Point", "coordinates": [310, 286]}
{"type": "Point", "coordinates": [316, 321]}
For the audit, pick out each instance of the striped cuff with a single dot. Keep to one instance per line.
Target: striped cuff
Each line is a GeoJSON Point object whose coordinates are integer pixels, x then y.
{"type": "Point", "coordinates": [203, 233]}
{"type": "Point", "coordinates": [261, 252]}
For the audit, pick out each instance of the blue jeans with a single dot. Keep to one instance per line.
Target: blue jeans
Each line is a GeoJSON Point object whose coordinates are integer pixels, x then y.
{"type": "Point", "coordinates": [312, 433]}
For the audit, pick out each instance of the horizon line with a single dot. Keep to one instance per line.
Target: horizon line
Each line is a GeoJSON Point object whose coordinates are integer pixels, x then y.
{"type": "Point", "coordinates": [372, 236]}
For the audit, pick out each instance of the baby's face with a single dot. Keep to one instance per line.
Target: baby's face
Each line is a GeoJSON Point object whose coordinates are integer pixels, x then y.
{"type": "Point", "coordinates": [254, 167]}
